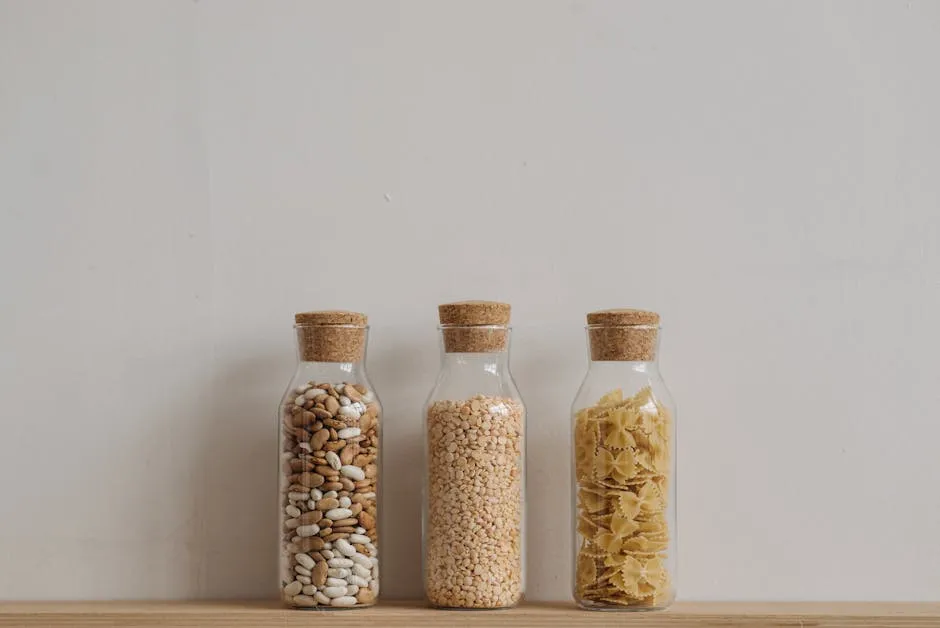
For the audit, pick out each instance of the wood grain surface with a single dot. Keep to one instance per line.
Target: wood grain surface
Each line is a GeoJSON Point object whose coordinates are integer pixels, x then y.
{"type": "Point", "coordinates": [270, 614]}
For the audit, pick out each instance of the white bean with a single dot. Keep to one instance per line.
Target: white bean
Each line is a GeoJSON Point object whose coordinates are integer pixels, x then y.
{"type": "Point", "coordinates": [345, 502]}
{"type": "Point", "coordinates": [322, 599]}
{"type": "Point", "coordinates": [305, 560]}
{"type": "Point", "coordinates": [297, 497]}
{"type": "Point", "coordinates": [290, 524]}
{"type": "Point", "coordinates": [362, 560]}
{"type": "Point", "coordinates": [327, 553]}
{"type": "Point", "coordinates": [344, 548]}
{"type": "Point", "coordinates": [310, 589]}
{"type": "Point", "coordinates": [359, 538]}
{"type": "Point", "coordinates": [336, 582]}
{"type": "Point", "coordinates": [338, 513]}
{"type": "Point", "coordinates": [304, 579]}
{"type": "Point", "coordinates": [292, 511]}
{"type": "Point", "coordinates": [293, 589]}
{"type": "Point", "coordinates": [352, 589]}
{"type": "Point", "coordinates": [340, 562]}
{"type": "Point", "coordinates": [349, 412]}
{"type": "Point", "coordinates": [361, 571]}
{"type": "Point", "coordinates": [349, 432]}
{"type": "Point", "coordinates": [303, 571]}
{"type": "Point", "coordinates": [353, 472]}
{"type": "Point", "coordinates": [304, 600]}
{"type": "Point", "coordinates": [344, 400]}
{"type": "Point", "coordinates": [332, 592]}
{"type": "Point", "coordinates": [338, 572]}
{"type": "Point", "coordinates": [300, 400]}
{"type": "Point", "coordinates": [358, 581]}
{"type": "Point", "coordinates": [308, 530]}
{"type": "Point", "coordinates": [333, 460]}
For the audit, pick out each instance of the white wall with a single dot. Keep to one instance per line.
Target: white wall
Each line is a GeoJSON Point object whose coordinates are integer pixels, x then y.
{"type": "Point", "coordinates": [178, 178]}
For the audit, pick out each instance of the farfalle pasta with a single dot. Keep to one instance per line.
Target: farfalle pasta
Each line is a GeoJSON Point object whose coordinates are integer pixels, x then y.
{"type": "Point", "coordinates": [622, 467]}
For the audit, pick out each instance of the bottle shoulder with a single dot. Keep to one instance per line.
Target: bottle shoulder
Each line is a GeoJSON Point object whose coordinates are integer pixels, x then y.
{"type": "Point", "coordinates": [624, 383]}
{"type": "Point", "coordinates": [462, 385]}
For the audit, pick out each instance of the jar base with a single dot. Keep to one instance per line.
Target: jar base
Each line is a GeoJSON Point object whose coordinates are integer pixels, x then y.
{"type": "Point", "coordinates": [473, 608]}
{"type": "Point", "coordinates": [616, 608]}
{"type": "Point", "coordinates": [325, 608]}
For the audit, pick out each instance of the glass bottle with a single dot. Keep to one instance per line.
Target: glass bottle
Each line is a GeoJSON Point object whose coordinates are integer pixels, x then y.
{"type": "Point", "coordinates": [624, 487]}
{"type": "Point", "coordinates": [474, 490]}
{"type": "Point", "coordinates": [329, 448]}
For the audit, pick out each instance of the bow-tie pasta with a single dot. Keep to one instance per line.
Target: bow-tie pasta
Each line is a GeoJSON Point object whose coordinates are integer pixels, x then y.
{"type": "Point", "coordinates": [622, 461]}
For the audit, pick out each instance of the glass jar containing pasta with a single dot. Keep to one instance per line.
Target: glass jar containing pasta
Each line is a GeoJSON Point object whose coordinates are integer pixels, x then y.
{"type": "Point", "coordinates": [624, 469]}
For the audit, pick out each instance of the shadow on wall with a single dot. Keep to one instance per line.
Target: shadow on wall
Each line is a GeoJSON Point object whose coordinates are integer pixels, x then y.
{"type": "Point", "coordinates": [211, 524]}
{"type": "Point", "coordinates": [538, 373]}
{"type": "Point", "coordinates": [240, 543]}
{"type": "Point", "coordinates": [392, 372]}
{"type": "Point", "coordinates": [232, 535]}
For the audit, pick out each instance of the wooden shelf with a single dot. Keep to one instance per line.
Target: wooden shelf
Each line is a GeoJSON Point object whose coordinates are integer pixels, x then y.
{"type": "Point", "coordinates": [269, 614]}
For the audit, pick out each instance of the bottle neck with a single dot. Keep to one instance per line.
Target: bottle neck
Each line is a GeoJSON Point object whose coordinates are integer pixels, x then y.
{"type": "Point", "coordinates": [331, 371]}
{"type": "Point", "coordinates": [650, 367]}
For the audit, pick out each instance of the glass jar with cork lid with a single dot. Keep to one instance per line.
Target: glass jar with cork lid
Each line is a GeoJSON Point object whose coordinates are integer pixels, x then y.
{"type": "Point", "coordinates": [474, 487]}
{"type": "Point", "coordinates": [624, 486]}
{"type": "Point", "coordinates": [329, 448]}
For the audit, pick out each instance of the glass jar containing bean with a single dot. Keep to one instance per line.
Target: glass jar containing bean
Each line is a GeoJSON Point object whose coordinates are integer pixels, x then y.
{"type": "Point", "coordinates": [329, 448]}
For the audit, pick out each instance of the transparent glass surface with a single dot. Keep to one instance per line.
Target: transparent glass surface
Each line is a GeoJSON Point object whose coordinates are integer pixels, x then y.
{"type": "Point", "coordinates": [624, 488]}
{"type": "Point", "coordinates": [474, 489]}
{"type": "Point", "coordinates": [330, 443]}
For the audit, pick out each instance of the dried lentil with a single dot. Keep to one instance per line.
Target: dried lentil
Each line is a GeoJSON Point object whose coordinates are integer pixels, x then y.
{"type": "Point", "coordinates": [475, 502]}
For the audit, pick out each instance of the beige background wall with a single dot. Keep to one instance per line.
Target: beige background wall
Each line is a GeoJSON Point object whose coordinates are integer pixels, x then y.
{"type": "Point", "coordinates": [178, 178]}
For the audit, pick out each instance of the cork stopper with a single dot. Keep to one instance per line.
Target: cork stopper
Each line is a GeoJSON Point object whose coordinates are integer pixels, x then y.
{"type": "Point", "coordinates": [331, 336]}
{"type": "Point", "coordinates": [623, 335]}
{"type": "Point", "coordinates": [475, 326]}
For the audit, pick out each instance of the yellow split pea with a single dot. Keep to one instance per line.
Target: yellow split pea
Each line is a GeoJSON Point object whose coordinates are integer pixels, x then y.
{"type": "Point", "coordinates": [473, 553]}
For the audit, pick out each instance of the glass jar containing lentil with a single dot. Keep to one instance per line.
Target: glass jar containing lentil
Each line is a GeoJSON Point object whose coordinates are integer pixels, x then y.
{"type": "Point", "coordinates": [625, 467]}
{"type": "Point", "coordinates": [475, 451]}
{"type": "Point", "coordinates": [329, 468]}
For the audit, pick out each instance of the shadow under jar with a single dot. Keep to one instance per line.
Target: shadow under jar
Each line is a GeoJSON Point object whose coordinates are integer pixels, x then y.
{"type": "Point", "coordinates": [474, 489]}
{"type": "Point", "coordinates": [329, 448]}
{"type": "Point", "coordinates": [624, 469]}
